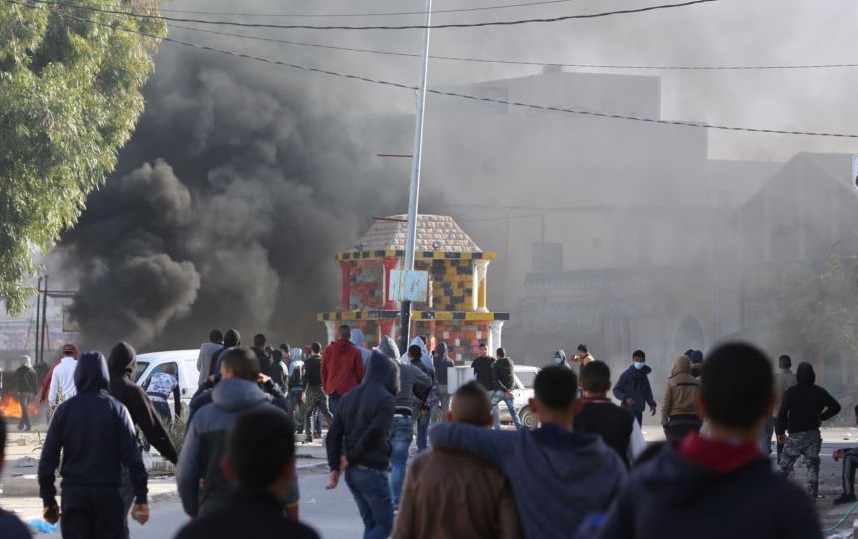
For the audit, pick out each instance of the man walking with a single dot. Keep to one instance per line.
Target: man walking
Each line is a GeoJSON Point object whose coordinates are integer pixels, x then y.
{"type": "Point", "coordinates": [633, 389]}
{"type": "Point", "coordinates": [258, 348]}
{"type": "Point", "coordinates": [122, 366]}
{"type": "Point", "coordinates": [596, 414]}
{"type": "Point", "coordinates": [503, 368]}
{"type": "Point", "coordinates": [207, 350]}
{"type": "Point", "coordinates": [358, 447]}
{"type": "Point", "coordinates": [25, 389]}
{"type": "Point", "coordinates": [784, 379]}
{"type": "Point", "coordinates": [62, 385]}
{"type": "Point", "coordinates": [411, 378]}
{"type": "Point", "coordinates": [451, 494]}
{"type": "Point", "coordinates": [342, 367]}
{"type": "Point", "coordinates": [260, 462]}
{"type": "Point", "coordinates": [717, 485]}
{"type": "Point", "coordinates": [238, 391]}
{"type": "Point", "coordinates": [91, 467]}
{"type": "Point", "coordinates": [559, 477]}
{"type": "Point", "coordinates": [443, 362]}
{"type": "Point", "coordinates": [482, 365]}
{"type": "Point", "coordinates": [314, 396]}
{"type": "Point", "coordinates": [803, 409]}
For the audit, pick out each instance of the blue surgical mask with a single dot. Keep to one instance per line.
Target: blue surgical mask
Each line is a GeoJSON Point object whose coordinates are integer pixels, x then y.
{"type": "Point", "coordinates": [638, 365]}
{"type": "Point", "coordinates": [558, 360]}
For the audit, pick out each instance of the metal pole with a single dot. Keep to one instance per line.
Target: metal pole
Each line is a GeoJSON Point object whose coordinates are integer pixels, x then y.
{"type": "Point", "coordinates": [413, 197]}
{"type": "Point", "coordinates": [44, 319]}
{"type": "Point", "coordinates": [38, 319]}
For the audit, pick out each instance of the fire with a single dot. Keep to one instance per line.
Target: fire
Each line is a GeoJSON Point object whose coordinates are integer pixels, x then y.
{"type": "Point", "coordinates": [11, 407]}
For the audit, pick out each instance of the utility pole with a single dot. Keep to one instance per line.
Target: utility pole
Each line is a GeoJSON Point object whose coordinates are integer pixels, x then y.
{"type": "Point", "coordinates": [414, 194]}
{"type": "Point", "coordinates": [38, 319]}
{"type": "Point", "coordinates": [44, 321]}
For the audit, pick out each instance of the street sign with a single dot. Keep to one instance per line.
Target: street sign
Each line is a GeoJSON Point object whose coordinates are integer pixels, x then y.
{"type": "Point", "coordinates": [409, 285]}
{"type": "Point", "coordinates": [855, 173]}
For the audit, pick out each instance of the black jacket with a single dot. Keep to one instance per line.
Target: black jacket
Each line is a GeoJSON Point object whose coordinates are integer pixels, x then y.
{"type": "Point", "coordinates": [249, 513]}
{"type": "Point", "coordinates": [613, 423]}
{"type": "Point", "coordinates": [670, 496]}
{"type": "Point", "coordinates": [360, 427]}
{"type": "Point", "coordinates": [122, 364]}
{"type": "Point", "coordinates": [805, 405]}
{"type": "Point", "coordinates": [442, 362]}
{"type": "Point", "coordinates": [264, 362]}
{"type": "Point", "coordinates": [503, 368]}
{"type": "Point", "coordinates": [95, 434]}
{"type": "Point", "coordinates": [313, 371]}
{"type": "Point", "coordinates": [484, 372]}
{"type": "Point", "coordinates": [25, 380]}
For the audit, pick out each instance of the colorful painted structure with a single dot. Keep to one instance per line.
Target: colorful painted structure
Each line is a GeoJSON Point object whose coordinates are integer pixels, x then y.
{"type": "Point", "coordinates": [456, 311]}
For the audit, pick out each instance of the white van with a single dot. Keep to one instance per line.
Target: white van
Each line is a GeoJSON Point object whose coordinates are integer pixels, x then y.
{"type": "Point", "coordinates": [184, 363]}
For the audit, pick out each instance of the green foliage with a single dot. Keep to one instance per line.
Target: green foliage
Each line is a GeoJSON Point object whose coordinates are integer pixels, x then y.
{"type": "Point", "coordinates": [816, 313]}
{"type": "Point", "coordinates": [70, 95]}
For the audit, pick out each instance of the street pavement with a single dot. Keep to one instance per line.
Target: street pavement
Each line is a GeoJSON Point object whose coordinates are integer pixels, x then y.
{"type": "Point", "coordinates": [333, 513]}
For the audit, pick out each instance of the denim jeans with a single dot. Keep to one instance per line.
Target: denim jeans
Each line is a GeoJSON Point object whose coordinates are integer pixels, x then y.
{"type": "Point", "coordinates": [766, 437]}
{"type": "Point", "coordinates": [163, 410]}
{"type": "Point", "coordinates": [401, 435]}
{"type": "Point", "coordinates": [333, 403]}
{"type": "Point", "coordinates": [422, 421]}
{"type": "Point", "coordinates": [497, 398]}
{"type": "Point", "coordinates": [371, 491]}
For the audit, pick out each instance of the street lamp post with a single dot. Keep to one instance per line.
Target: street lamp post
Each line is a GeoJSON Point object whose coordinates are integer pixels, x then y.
{"type": "Point", "coordinates": [414, 194]}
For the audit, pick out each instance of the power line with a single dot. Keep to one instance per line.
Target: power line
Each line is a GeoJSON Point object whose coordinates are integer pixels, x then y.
{"type": "Point", "coordinates": [451, 93]}
{"type": "Point", "coordinates": [398, 27]}
{"type": "Point", "coordinates": [522, 62]}
{"type": "Point", "coordinates": [384, 14]}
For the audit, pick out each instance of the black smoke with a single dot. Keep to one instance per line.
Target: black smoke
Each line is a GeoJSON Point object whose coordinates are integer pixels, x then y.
{"type": "Point", "coordinates": [226, 209]}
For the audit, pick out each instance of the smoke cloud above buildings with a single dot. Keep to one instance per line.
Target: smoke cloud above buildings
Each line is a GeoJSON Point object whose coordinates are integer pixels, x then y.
{"type": "Point", "coordinates": [244, 178]}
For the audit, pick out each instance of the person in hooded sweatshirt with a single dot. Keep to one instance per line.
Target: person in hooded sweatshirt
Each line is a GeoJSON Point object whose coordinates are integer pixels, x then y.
{"type": "Point", "coordinates": [342, 367]}
{"type": "Point", "coordinates": [679, 414]}
{"type": "Point", "coordinates": [411, 377]}
{"type": "Point", "coordinates": [803, 409]}
{"type": "Point", "coordinates": [717, 484]}
{"type": "Point", "coordinates": [205, 440]}
{"type": "Point", "coordinates": [633, 389]}
{"type": "Point", "coordinates": [25, 389]}
{"type": "Point", "coordinates": [122, 364]}
{"type": "Point", "coordinates": [441, 361]}
{"type": "Point", "coordinates": [358, 446]}
{"type": "Point", "coordinates": [558, 476]}
{"type": "Point", "coordinates": [95, 434]}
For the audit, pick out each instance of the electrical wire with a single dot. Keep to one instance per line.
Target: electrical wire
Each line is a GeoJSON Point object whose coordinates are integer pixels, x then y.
{"type": "Point", "coordinates": [386, 14]}
{"type": "Point", "coordinates": [399, 27]}
{"type": "Point", "coordinates": [521, 62]}
{"type": "Point", "coordinates": [450, 93]}
{"type": "Point", "coordinates": [842, 520]}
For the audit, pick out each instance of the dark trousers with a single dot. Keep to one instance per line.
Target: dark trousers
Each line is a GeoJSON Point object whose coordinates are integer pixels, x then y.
{"type": "Point", "coordinates": [678, 427]}
{"type": "Point", "coordinates": [639, 417]}
{"type": "Point", "coordinates": [24, 398]}
{"type": "Point", "coordinates": [163, 410]}
{"type": "Point", "coordinates": [850, 463]}
{"type": "Point", "coordinates": [91, 513]}
{"type": "Point", "coordinates": [315, 400]}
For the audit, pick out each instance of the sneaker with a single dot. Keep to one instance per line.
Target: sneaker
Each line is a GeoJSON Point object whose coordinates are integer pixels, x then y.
{"type": "Point", "coordinates": [308, 440]}
{"type": "Point", "coordinates": [845, 498]}
{"type": "Point", "coordinates": [20, 427]}
{"type": "Point", "coordinates": [29, 429]}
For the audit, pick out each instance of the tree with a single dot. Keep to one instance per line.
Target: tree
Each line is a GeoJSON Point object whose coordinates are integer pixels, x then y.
{"type": "Point", "coordinates": [70, 95]}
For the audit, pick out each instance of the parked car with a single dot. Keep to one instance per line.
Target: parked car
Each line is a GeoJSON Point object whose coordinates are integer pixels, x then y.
{"type": "Point", "coordinates": [185, 366]}
{"type": "Point", "coordinates": [523, 392]}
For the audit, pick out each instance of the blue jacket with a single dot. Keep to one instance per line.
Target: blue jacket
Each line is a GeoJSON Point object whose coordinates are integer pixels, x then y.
{"type": "Point", "coordinates": [205, 444]}
{"type": "Point", "coordinates": [361, 424]}
{"type": "Point", "coordinates": [558, 477]}
{"type": "Point", "coordinates": [670, 496]}
{"type": "Point", "coordinates": [95, 434]}
{"type": "Point", "coordinates": [634, 383]}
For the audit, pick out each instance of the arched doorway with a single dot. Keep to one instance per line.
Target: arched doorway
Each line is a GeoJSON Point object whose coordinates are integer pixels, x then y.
{"type": "Point", "coordinates": [689, 334]}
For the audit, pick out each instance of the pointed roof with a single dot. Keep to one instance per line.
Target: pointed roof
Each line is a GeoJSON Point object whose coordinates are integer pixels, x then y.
{"type": "Point", "coordinates": [439, 233]}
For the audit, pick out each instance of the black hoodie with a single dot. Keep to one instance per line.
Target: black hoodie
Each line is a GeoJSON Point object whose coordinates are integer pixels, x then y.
{"type": "Point", "coordinates": [805, 405]}
{"type": "Point", "coordinates": [360, 427]}
{"type": "Point", "coordinates": [96, 436]}
{"type": "Point", "coordinates": [122, 364]}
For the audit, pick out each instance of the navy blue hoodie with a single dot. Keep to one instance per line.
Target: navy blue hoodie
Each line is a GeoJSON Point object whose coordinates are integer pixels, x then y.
{"type": "Point", "coordinates": [362, 422]}
{"type": "Point", "coordinates": [96, 436]}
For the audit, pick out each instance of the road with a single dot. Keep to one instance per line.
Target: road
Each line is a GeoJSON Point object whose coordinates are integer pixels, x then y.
{"type": "Point", "coordinates": [331, 512]}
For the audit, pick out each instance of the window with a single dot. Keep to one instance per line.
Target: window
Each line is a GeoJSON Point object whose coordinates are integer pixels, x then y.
{"type": "Point", "coordinates": [547, 257]}
{"type": "Point", "coordinates": [141, 368]}
{"type": "Point", "coordinates": [527, 378]}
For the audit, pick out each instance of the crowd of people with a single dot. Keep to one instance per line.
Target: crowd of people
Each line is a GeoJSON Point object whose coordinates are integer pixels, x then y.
{"type": "Point", "coordinates": [584, 472]}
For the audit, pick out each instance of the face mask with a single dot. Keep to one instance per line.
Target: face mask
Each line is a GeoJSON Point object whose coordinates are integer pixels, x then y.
{"type": "Point", "coordinates": [638, 365]}
{"type": "Point", "coordinates": [558, 360]}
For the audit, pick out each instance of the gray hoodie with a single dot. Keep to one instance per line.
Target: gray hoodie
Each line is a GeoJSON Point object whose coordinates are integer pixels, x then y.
{"type": "Point", "coordinates": [205, 443]}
